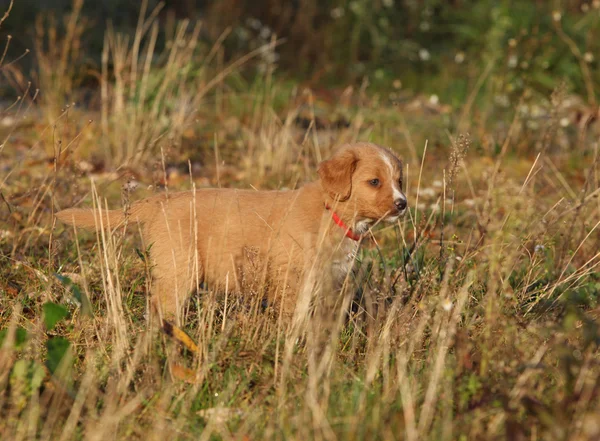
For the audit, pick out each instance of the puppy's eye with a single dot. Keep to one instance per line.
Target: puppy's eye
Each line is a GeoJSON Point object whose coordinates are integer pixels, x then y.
{"type": "Point", "coordinates": [374, 182]}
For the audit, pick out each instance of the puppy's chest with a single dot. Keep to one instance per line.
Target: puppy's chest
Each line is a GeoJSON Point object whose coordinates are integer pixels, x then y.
{"type": "Point", "coordinates": [343, 259]}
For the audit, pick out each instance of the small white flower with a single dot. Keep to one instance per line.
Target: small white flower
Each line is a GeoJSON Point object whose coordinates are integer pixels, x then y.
{"type": "Point", "coordinates": [447, 305]}
{"type": "Point", "coordinates": [424, 54]}
{"type": "Point", "coordinates": [539, 248]}
{"type": "Point", "coordinates": [268, 55]}
{"type": "Point", "coordinates": [427, 192]}
{"type": "Point", "coordinates": [565, 122]}
{"type": "Point", "coordinates": [265, 32]}
{"type": "Point", "coordinates": [437, 183]}
{"type": "Point", "coordinates": [556, 16]}
{"type": "Point", "coordinates": [85, 166]}
{"type": "Point", "coordinates": [537, 111]}
{"type": "Point", "coordinates": [523, 109]}
{"type": "Point", "coordinates": [434, 100]}
{"type": "Point", "coordinates": [588, 57]}
{"type": "Point", "coordinates": [513, 60]}
{"type": "Point", "coordinates": [337, 13]}
{"type": "Point", "coordinates": [459, 58]}
{"type": "Point", "coordinates": [130, 185]}
{"type": "Point", "coordinates": [8, 121]}
{"type": "Point", "coordinates": [502, 100]}
{"type": "Point", "coordinates": [254, 23]}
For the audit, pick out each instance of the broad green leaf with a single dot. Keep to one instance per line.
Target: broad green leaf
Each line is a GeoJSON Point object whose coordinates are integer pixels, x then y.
{"type": "Point", "coordinates": [58, 347]}
{"type": "Point", "coordinates": [53, 313]}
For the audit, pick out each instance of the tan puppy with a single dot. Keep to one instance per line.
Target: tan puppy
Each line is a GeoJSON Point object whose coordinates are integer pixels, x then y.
{"type": "Point", "coordinates": [262, 242]}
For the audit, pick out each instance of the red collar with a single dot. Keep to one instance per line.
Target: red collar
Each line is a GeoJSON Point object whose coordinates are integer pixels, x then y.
{"type": "Point", "coordinates": [349, 233]}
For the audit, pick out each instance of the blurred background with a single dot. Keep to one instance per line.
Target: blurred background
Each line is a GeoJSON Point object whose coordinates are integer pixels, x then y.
{"type": "Point", "coordinates": [435, 46]}
{"type": "Point", "coordinates": [474, 63]}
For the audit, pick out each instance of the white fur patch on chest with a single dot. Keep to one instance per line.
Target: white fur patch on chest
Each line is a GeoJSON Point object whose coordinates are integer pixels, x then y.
{"type": "Point", "coordinates": [343, 260]}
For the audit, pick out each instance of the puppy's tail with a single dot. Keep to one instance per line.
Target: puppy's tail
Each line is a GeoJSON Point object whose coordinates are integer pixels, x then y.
{"type": "Point", "coordinates": [96, 219]}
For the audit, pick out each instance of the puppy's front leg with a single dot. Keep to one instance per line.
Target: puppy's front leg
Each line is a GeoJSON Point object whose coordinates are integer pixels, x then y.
{"type": "Point", "coordinates": [176, 273]}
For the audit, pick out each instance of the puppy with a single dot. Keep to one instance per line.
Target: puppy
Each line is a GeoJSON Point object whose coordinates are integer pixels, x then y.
{"type": "Point", "coordinates": [262, 242]}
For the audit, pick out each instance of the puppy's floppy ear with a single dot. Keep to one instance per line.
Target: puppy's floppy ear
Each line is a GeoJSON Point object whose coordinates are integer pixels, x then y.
{"type": "Point", "coordinates": [336, 174]}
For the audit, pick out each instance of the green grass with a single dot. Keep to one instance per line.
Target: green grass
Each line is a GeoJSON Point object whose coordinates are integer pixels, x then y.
{"type": "Point", "coordinates": [476, 317]}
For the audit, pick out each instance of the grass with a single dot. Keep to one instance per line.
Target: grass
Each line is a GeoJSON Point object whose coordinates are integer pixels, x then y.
{"type": "Point", "coordinates": [476, 317]}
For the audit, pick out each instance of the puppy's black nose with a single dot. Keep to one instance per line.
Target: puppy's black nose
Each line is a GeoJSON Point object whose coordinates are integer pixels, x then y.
{"type": "Point", "coordinates": [400, 204]}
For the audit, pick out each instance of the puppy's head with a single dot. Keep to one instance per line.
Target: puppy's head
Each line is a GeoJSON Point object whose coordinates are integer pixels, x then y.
{"type": "Point", "coordinates": [367, 179]}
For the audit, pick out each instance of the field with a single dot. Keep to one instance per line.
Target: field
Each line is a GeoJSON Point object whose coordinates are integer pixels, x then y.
{"type": "Point", "coordinates": [476, 317]}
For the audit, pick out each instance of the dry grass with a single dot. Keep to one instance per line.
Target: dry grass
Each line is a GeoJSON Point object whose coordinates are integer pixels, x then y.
{"type": "Point", "coordinates": [58, 57]}
{"type": "Point", "coordinates": [473, 318]}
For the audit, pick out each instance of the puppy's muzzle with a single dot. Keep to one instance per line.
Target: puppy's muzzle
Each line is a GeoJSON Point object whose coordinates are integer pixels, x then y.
{"type": "Point", "coordinates": [400, 204]}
